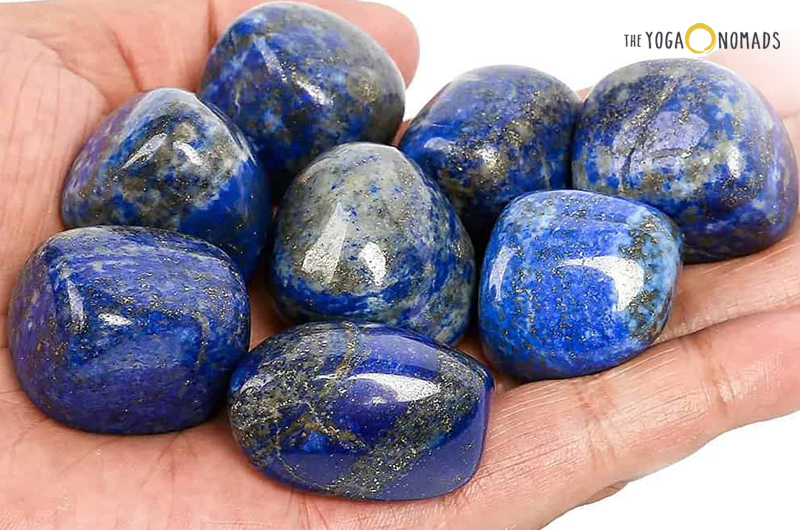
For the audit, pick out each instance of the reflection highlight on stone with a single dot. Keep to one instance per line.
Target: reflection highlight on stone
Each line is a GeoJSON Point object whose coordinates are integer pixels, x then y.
{"type": "Point", "coordinates": [626, 274]}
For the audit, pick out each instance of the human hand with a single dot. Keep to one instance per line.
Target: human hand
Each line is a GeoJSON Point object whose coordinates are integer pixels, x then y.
{"type": "Point", "coordinates": [728, 357]}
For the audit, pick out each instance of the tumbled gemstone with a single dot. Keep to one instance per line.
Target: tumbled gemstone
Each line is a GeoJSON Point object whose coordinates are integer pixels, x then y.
{"type": "Point", "coordinates": [299, 80]}
{"type": "Point", "coordinates": [492, 134]}
{"type": "Point", "coordinates": [166, 160]}
{"type": "Point", "coordinates": [574, 283]}
{"type": "Point", "coordinates": [361, 410]}
{"type": "Point", "coordinates": [128, 330]}
{"type": "Point", "coordinates": [697, 142]}
{"type": "Point", "coordinates": [361, 234]}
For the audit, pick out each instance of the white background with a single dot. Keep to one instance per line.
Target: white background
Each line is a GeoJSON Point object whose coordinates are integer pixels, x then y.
{"type": "Point", "coordinates": [746, 479]}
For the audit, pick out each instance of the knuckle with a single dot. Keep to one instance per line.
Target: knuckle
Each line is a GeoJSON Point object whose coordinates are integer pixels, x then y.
{"type": "Point", "coordinates": [597, 408]}
{"type": "Point", "coordinates": [718, 391]}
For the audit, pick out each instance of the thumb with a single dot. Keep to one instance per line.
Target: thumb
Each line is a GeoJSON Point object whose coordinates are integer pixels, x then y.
{"type": "Point", "coordinates": [125, 46]}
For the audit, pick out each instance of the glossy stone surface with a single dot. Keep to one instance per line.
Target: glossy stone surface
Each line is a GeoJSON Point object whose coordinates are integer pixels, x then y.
{"type": "Point", "coordinates": [299, 80]}
{"type": "Point", "coordinates": [492, 134]}
{"type": "Point", "coordinates": [697, 142]}
{"type": "Point", "coordinates": [128, 330]}
{"type": "Point", "coordinates": [361, 234]}
{"type": "Point", "coordinates": [361, 410]}
{"type": "Point", "coordinates": [166, 160]}
{"type": "Point", "coordinates": [574, 283]}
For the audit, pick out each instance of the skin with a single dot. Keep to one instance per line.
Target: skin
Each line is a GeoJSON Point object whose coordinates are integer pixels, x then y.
{"type": "Point", "coordinates": [728, 357]}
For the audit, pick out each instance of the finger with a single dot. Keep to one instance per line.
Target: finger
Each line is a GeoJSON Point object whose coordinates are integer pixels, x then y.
{"type": "Point", "coordinates": [554, 445]}
{"type": "Point", "coordinates": [605, 493]}
{"type": "Point", "coordinates": [712, 293]}
{"type": "Point", "coordinates": [126, 46]}
{"type": "Point", "coordinates": [551, 446]}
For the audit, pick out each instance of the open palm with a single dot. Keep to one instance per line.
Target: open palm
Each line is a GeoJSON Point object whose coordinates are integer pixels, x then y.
{"type": "Point", "coordinates": [728, 357]}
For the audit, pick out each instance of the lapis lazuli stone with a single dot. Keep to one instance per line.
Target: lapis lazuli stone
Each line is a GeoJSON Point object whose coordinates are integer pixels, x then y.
{"type": "Point", "coordinates": [166, 160]}
{"type": "Point", "coordinates": [299, 80]}
{"type": "Point", "coordinates": [574, 283]}
{"type": "Point", "coordinates": [128, 330]}
{"type": "Point", "coordinates": [362, 234]}
{"type": "Point", "coordinates": [361, 410]}
{"type": "Point", "coordinates": [492, 134]}
{"type": "Point", "coordinates": [697, 142]}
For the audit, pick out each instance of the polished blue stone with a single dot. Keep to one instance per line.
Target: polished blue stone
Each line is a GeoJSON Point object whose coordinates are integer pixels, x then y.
{"type": "Point", "coordinates": [492, 134]}
{"type": "Point", "coordinates": [361, 410]}
{"type": "Point", "coordinates": [574, 283]}
{"type": "Point", "coordinates": [166, 160]}
{"type": "Point", "coordinates": [362, 234]}
{"type": "Point", "coordinates": [299, 80]}
{"type": "Point", "coordinates": [697, 142]}
{"type": "Point", "coordinates": [128, 330]}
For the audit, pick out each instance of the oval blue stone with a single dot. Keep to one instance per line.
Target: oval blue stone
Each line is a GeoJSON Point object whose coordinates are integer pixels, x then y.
{"type": "Point", "coordinates": [166, 160]}
{"type": "Point", "coordinates": [361, 410]}
{"type": "Point", "coordinates": [492, 134]}
{"type": "Point", "coordinates": [361, 234]}
{"type": "Point", "coordinates": [298, 81]}
{"type": "Point", "coordinates": [574, 283]}
{"type": "Point", "coordinates": [128, 330]}
{"type": "Point", "coordinates": [697, 142]}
